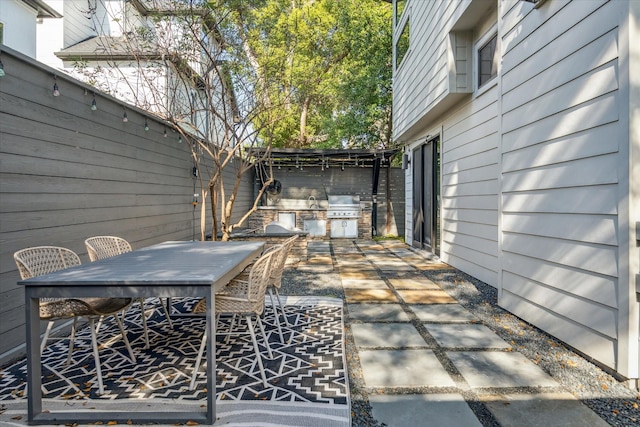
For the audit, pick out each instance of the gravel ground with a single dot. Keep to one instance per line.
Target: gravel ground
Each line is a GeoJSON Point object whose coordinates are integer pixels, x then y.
{"type": "Point", "coordinates": [612, 400]}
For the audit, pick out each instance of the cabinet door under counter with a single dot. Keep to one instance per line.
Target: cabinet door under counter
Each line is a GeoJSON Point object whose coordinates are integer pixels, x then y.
{"type": "Point", "coordinates": [344, 228]}
{"type": "Point", "coordinates": [315, 227]}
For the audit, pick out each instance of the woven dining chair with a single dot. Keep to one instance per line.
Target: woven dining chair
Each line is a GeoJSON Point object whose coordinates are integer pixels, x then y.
{"type": "Point", "coordinates": [241, 297]}
{"type": "Point", "coordinates": [39, 260]}
{"type": "Point", "coordinates": [275, 280]}
{"type": "Point", "coordinates": [100, 247]}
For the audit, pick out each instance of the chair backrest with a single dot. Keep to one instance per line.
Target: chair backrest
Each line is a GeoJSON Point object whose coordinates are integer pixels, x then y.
{"type": "Point", "coordinates": [277, 264]}
{"type": "Point", "coordinates": [259, 277]}
{"type": "Point", "coordinates": [288, 244]}
{"type": "Point", "coordinates": [99, 247]}
{"type": "Point", "coordinates": [39, 260]}
{"type": "Point", "coordinates": [280, 261]}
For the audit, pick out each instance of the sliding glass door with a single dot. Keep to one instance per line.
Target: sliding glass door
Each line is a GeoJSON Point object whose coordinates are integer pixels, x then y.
{"type": "Point", "coordinates": [426, 196]}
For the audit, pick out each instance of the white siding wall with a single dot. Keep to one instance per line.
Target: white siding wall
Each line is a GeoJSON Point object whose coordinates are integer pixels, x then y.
{"type": "Point", "coordinates": [560, 159]}
{"type": "Point", "coordinates": [77, 25]}
{"type": "Point", "coordinates": [50, 33]}
{"type": "Point", "coordinates": [422, 78]}
{"type": "Point", "coordinates": [469, 138]}
{"type": "Point", "coordinates": [19, 26]}
{"type": "Point", "coordinates": [470, 187]}
{"type": "Point", "coordinates": [540, 192]}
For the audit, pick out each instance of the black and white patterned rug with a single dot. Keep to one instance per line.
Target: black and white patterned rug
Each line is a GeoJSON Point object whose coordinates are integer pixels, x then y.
{"type": "Point", "coordinates": [307, 378]}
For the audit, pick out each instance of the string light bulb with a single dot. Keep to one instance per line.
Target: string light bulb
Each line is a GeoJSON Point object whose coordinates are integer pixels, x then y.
{"type": "Point", "coordinates": [125, 119]}
{"type": "Point", "coordinates": [94, 105]}
{"type": "Point", "coordinates": [179, 139]}
{"type": "Point", "coordinates": [165, 133]}
{"type": "Point", "coordinates": [146, 126]}
{"type": "Point", "coordinates": [56, 91]}
{"type": "Point", "coordinates": [1, 68]}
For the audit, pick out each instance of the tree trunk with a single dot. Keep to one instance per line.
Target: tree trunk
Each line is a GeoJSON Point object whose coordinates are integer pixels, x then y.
{"type": "Point", "coordinates": [303, 120]}
{"type": "Point", "coordinates": [214, 211]}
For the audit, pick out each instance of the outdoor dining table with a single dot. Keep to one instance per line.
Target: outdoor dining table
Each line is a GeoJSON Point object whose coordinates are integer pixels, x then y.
{"type": "Point", "coordinates": [169, 269]}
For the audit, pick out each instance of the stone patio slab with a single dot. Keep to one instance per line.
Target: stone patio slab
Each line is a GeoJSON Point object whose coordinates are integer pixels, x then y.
{"type": "Point", "coordinates": [426, 296]}
{"type": "Point", "coordinates": [315, 268]}
{"type": "Point", "coordinates": [403, 368]}
{"type": "Point", "coordinates": [499, 369]}
{"type": "Point", "coordinates": [377, 312]}
{"type": "Point", "coordinates": [387, 335]}
{"type": "Point", "coordinates": [390, 264]}
{"type": "Point", "coordinates": [365, 274]}
{"type": "Point", "coordinates": [443, 313]}
{"type": "Point", "coordinates": [441, 410]}
{"type": "Point", "coordinates": [364, 284]}
{"type": "Point", "coordinates": [369, 295]}
{"type": "Point", "coordinates": [432, 267]}
{"type": "Point", "coordinates": [413, 283]}
{"type": "Point", "coordinates": [465, 336]}
{"type": "Point", "coordinates": [542, 410]}
{"type": "Point", "coordinates": [320, 259]}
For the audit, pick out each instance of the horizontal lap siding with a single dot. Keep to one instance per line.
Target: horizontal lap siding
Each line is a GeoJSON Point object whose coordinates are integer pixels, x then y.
{"type": "Point", "coordinates": [559, 169]}
{"type": "Point", "coordinates": [415, 89]}
{"type": "Point", "coordinates": [470, 188]}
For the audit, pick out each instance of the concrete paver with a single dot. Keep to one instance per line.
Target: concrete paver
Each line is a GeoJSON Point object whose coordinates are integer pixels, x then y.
{"type": "Point", "coordinates": [403, 368]}
{"type": "Point", "coordinates": [413, 283]}
{"type": "Point", "coordinates": [466, 336]}
{"type": "Point", "coordinates": [434, 410]}
{"type": "Point", "coordinates": [364, 284]}
{"type": "Point", "coordinates": [451, 313]}
{"type": "Point", "coordinates": [426, 296]}
{"type": "Point", "coordinates": [387, 335]}
{"type": "Point", "coordinates": [369, 295]}
{"type": "Point", "coordinates": [542, 410]}
{"type": "Point", "coordinates": [499, 369]}
{"type": "Point", "coordinates": [361, 274]}
{"type": "Point", "coordinates": [377, 312]}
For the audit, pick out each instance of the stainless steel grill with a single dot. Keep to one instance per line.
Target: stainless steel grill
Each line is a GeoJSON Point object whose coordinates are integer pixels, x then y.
{"type": "Point", "coordinates": [343, 206]}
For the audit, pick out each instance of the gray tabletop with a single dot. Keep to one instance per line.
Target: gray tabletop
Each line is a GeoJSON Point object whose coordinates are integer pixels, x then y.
{"type": "Point", "coordinates": [164, 263]}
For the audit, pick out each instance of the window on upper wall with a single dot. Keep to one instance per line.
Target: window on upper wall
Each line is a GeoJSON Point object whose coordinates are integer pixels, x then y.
{"type": "Point", "coordinates": [402, 44]}
{"type": "Point", "coordinates": [487, 59]}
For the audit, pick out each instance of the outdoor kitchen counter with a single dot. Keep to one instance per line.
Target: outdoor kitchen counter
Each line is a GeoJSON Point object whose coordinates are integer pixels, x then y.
{"type": "Point", "coordinates": [307, 218]}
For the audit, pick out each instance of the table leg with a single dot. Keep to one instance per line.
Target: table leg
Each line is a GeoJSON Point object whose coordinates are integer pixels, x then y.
{"type": "Point", "coordinates": [34, 363]}
{"type": "Point", "coordinates": [211, 358]}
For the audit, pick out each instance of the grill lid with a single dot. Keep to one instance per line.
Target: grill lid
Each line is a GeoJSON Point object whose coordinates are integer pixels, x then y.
{"type": "Point", "coordinates": [344, 200]}
{"type": "Point", "coordinates": [343, 206]}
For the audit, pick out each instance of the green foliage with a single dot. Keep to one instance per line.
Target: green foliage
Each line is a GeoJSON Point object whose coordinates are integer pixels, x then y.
{"type": "Point", "coordinates": [326, 64]}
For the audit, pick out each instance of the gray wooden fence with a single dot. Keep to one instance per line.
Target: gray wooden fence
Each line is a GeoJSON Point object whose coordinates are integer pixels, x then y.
{"type": "Point", "coordinates": [68, 172]}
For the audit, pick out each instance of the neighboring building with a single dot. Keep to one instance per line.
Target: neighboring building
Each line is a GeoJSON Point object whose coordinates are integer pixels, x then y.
{"type": "Point", "coordinates": [18, 19]}
{"type": "Point", "coordinates": [520, 122]}
{"type": "Point", "coordinates": [133, 50]}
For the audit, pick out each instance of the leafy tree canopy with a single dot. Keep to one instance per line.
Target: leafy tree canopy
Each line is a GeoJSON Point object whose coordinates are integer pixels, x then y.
{"type": "Point", "coordinates": [326, 63]}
